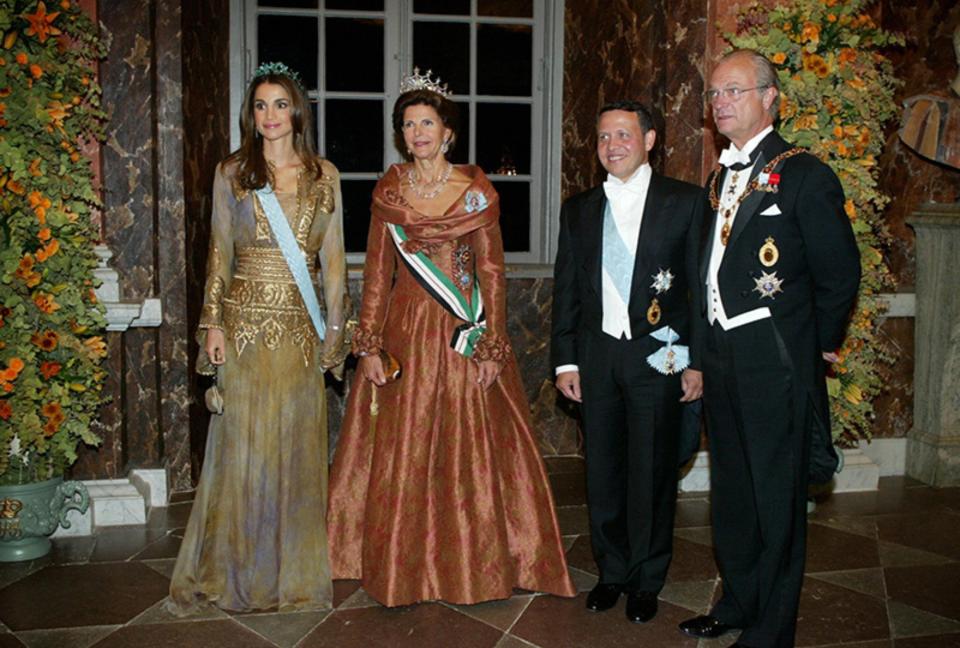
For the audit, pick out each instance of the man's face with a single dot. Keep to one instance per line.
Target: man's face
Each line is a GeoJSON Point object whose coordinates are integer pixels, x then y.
{"type": "Point", "coordinates": [742, 117]}
{"type": "Point", "coordinates": [622, 146]}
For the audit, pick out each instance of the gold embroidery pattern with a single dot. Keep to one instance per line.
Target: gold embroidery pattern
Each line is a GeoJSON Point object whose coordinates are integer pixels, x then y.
{"type": "Point", "coordinates": [264, 303]}
{"type": "Point", "coordinates": [212, 312]}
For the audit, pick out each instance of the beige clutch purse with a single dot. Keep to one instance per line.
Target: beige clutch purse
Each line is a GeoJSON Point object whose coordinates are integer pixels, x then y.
{"type": "Point", "coordinates": [213, 397]}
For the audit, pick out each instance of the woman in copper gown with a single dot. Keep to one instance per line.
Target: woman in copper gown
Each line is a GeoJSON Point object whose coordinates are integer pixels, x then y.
{"type": "Point", "coordinates": [438, 491]}
{"type": "Point", "coordinates": [256, 536]}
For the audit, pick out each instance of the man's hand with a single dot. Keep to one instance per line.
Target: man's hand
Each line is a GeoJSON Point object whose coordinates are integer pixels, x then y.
{"type": "Point", "coordinates": [568, 382]}
{"type": "Point", "coordinates": [691, 381]}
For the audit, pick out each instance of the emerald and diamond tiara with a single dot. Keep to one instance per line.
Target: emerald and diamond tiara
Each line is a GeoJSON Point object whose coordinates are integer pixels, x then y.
{"type": "Point", "coordinates": [279, 69]}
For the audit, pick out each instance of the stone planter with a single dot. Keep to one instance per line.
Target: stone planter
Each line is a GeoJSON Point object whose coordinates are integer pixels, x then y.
{"type": "Point", "coordinates": [31, 512]}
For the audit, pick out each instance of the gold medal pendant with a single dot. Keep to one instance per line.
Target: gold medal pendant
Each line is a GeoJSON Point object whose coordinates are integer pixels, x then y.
{"type": "Point", "coordinates": [769, 254]}
{"type": "Point", "coordinates": [653, 313]}
{"type": "Point", "coordinates": [725, 233]}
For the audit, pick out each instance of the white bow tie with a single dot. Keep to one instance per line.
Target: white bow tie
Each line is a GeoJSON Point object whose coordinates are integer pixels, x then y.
{"type": "Point", "coordinates": [731, 156]}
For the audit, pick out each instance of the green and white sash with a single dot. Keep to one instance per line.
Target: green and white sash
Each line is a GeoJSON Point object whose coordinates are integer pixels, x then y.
{"type": "Point", "coordinates": [442, 289]}
{"type": "Point", "coordinates": [296, 260]}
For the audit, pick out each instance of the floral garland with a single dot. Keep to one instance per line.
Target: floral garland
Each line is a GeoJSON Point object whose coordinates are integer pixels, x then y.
{"type": "Point", "coordinates": [836, 94]}
{"type": "Point", "coordinates": [51, 326]}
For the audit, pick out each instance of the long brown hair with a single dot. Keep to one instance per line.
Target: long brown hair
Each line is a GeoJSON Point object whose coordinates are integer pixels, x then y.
{"type": "Point", "coordinates": [252, 169]}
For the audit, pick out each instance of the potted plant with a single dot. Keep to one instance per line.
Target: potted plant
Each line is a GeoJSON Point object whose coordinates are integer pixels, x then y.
{"type": "Point", "coordinates": [51, 325]}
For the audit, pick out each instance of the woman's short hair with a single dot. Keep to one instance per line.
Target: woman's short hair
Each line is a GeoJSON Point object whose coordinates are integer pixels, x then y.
{"type": "Point", "coordinates": [446, 109]}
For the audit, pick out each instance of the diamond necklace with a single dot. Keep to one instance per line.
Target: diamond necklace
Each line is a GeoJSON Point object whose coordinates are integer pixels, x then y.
{"type": "Point", "coordinates": [428, 190]}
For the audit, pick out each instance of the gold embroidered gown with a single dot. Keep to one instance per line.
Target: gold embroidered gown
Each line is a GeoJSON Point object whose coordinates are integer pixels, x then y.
{"type": "Point", "coordinates": [442, 494]}
{"type": "Point", "coordinates": [256, 537]}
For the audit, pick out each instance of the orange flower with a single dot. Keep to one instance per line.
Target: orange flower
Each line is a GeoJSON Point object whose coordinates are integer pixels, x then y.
{"type": "Point", "coordinates": [830, 3]}
{"type": "Point", "coordinates": [831, 17]}
{"type": "Point", "coordinates": [51, 409]}
{"type": "Point", "coordinates": [48, 250]}
{"type": "Point", "coordinates": [49, 369]}
{"type": "Point", "coordinates": [810, 32]}
{"type": "Point", "coordinates": [34, 168]}
{"type": "Point", "coordinates": [96, 347]}
{"type": "Point", "coordinates": [16, 187]}
{"type": "Point", "coordinates": [6, 411]}
{"type": "Point", "coordinates": [44, 234]}
{"type": "Point", "coordinates": [36, 70]}
{"type": "Point", "coordinates": [838, 131]}
{"type": "Point", "coordinates": [805, 122]}
{"type": "Point", "coordinates": [778, 58]}
{"type": "Point", "coordinates": [50, 428]}
{"type": "Point", "coordinates": [816, 64]}
{"type": "Point", "coordinates": [850, 209]}
{"type": "Point", "coordinates": [47, 341]}
{"type": "Point", "coordinates": [847, 55]}
{"type": "Point", "coordinates": [45, 302]}
{"type": "Point", "coordinates": [58, 112]}
{"type": "Point", "coordinates": [16, 364]}
{"type": "Point", "coordinates": [22, 58]}
{"type": "Point", "coordinates": [26, 273]}
{"type": "Point", "coordinates": [41, 23]}
{"type": "Point", "coordinates": [857, 82]}
{"type": "Point", "coordinates": [64, 4]}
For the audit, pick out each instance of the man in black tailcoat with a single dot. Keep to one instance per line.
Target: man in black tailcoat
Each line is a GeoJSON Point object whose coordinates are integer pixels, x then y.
{"type": "Point", "coordinates": [780, 271]}
{"type": "Point", "coordinates": [621, 346]}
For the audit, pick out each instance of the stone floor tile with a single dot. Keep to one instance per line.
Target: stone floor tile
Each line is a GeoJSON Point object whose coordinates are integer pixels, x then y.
{"type": "Point", "coordinates": [882, 643]}
{"type": "Point", "coordinates": [182, 496]}
{"type": "Point", "coordinates": [509, 641]}
{"type": "Point", "coordinates": [70, 551]}
{"type": "Point", "coordinates": [81, 595]}
{"type": "Point", "coordinates": [343, 590]}
{"type": "Point", "coordinates": [582, 580]}
{"type": "Point", "coordinates": [933, 533]}
{"type": "Point", "coordinates": [833, 550]}
{"type": "Point", "coordinates": [500, 614]}
{"type": "Point", "coordinates": [359, 599]}
{"type": "Point", "coordinates": [897, 555]}
{"type": "Point", "coordinates": [12, 572]}
{"type": "Point", "coordinates": [862, 526]}
{"type": "Point", "coordinates": [692, 513]}
{"type": "Point", "coordinates": [415, 626]}
{"type": "Point", "coordinates": [890, 497]}
{"type": "Point", "coordinates": [691, 562]}
{"type": "Point", "coordinates": [933, 588]}
{"type": "Point", "coordinates": [284, 629]}
{"type": "Point", "coordinates": [568, 541]}
{"type": "Point", "coordinates": [566, 623]}
{"type": "Point", "coordinates": [700, 535]}
{"type": "Point", "coordinates": [908, 621]}
{"type": "Point", "coordinates": [833, 614]}
{"type": "Point", "coordinates": [163, 566]}
{"type": "Point", "coordinates": [72, 637]}
{"type": "Point", "coordinates": [866, 581]}
{"type": "Point", "coordinates": [580, 556]}
{"type": "Point", "coordinates": [223, 633]}
{"type": "Point", "coordinates": [11, 641]}
{"type": "Point", "coordinates": [573, 520]}
{"type": "Point", "coordinates": [941, 641]}
{"type": "Point", "coordinates": [719, 642]}
{"type": "Point", "coordinates": [695, 596]}
{"type": "Point", "coordinates": [157, 613]}
{"type": "Point", "coordinates": [166, 547]}
{"type": "Point", "coordinates": [569, 489]}
{"type": "Point", "coordinates": [171, 517]}
{"type": "Point", "coordinates": [122, 543]}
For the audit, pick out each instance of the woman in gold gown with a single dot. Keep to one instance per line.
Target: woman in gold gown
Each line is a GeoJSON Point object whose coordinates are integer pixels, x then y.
{"type": "Point", "coordinates": [256, 536]}
{"type": "Point", "coordinates": [438, 490]}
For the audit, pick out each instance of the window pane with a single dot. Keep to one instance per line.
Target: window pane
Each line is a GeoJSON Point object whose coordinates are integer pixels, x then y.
{"type": "Point", "coordinates": [356, 213]}
{"type": "Point", "coordinates": [504, 59]}
{"type": "Point", "coordinates": [298, 4]}
{"type": "Point", "coordinates": [356, 5]}
{"type": "Point", "coordinates": [503, 138]}
{"type": "Point", "coordinates": [511, 8]}
{"type": "Point", "coordinates": [514, 215]}
{"type": "Point", "coordinates": [354, 54]}
{"type": "Point", "coordinates": [445, 49]}
{"type": "Point", "coordinates": [461, 152]}
{"type": "Point", "coordinates": [354, 132]}
{"type": "Point", "coordinates": [448, 7]}
{"type": "Point", "coordinates": [291, 40]}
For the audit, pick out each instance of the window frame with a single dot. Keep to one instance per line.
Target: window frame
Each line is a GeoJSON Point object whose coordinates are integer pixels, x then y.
{"type": "Point", "coordinates": [398, 19]}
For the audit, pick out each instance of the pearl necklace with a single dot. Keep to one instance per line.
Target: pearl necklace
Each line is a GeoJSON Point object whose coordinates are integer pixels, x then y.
{"type": "Point", "coordinates": [428, 190]}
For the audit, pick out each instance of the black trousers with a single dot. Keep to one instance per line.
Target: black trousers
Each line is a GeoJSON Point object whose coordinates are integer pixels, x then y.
{"type": "Point", "coordinates": [631, 421]}
{"type": "Point", "coordinates": [758, 424]}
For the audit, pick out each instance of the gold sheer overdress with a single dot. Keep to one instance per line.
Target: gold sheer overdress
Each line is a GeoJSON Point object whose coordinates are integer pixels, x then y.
{"type": "Point", "coordinates": [256, 537]}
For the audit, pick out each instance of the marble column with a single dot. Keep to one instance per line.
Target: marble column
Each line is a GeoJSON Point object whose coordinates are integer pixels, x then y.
{"type": "Point", "coordinates": [933, 445]}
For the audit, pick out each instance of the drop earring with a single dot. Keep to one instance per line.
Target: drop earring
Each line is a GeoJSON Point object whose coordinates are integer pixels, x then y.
{"type": "Point", "coordinates": [445, 146]}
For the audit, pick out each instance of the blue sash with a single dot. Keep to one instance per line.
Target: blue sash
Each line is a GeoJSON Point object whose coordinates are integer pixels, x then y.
{"type": "Point", "coordinates": [296, 260]}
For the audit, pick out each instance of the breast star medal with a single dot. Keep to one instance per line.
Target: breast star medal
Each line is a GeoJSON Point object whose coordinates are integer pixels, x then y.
{"type": "Point", "coordinates": [653, 313]}
{"type": "Point", "coordinates": [768, 284]}
{"type": "Point", "coordinates": [769, 254]}
{"type": "Point", "coordinates": [662, 281]}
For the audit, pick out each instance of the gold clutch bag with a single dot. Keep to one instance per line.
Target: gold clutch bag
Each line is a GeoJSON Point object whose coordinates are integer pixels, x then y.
{"type": "Point", "coordinates": [391, 366]}
{"type": "Point", "coordinates": [213, 397]}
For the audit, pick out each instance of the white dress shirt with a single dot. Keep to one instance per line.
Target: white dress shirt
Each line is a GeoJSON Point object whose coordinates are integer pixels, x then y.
{"type": "Point", "coordinates": [734, 184]}
{"type": "Point", "coordinates": [626, 199]}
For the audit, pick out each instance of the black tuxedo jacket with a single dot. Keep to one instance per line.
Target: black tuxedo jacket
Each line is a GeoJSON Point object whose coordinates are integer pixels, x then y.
{"type": "Point", "coordinates": [668, 241]}
{"type": "Point", "coordinates": [819, 262]}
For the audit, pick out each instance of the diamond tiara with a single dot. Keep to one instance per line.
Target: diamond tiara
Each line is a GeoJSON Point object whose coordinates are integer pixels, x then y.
{"type": "Point", "coordinates": [279, 69]}
{"type": "Point", "coordinates": [417, 81]}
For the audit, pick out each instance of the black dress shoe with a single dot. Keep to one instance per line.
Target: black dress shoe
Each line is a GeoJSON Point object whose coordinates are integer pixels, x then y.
{"type": "Point", "coordinates": [706, 627]}
{"type": "Point", "coordinates": [603, 597]}
{"type": "Point", "coordinates": [641, 606]}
